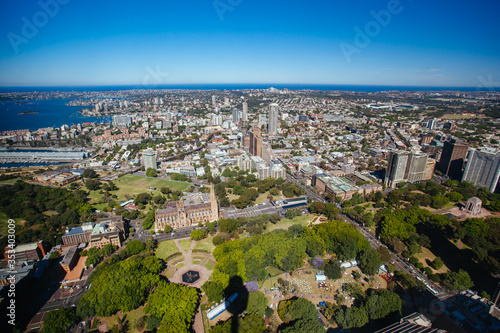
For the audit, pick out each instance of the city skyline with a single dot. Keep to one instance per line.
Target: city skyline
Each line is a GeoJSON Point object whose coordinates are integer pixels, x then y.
{"type": "Point", "coordinates": [406, 43]}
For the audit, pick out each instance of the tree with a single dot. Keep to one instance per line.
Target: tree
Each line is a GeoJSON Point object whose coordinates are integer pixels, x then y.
{"type": "Point", "coordinates": [213, 290]}
{"type": "Point", "coordinates": [382, 302]}
{"type": "Point", "coordinates": [198, 234]}
{"type": "Point", "coordinates": [149, 220]}
{"type": "Point", "coordinates": [370, 262]}
{"type": "Point", "coordinates": [385, 254]}
{"type": "Point", "coordinates": [458, 281]}
{"type": "Point", "coordinates": [437, 263]}
{"type": "Point", "coordinates": [275, 218]}
{"type": "Point", "coordinates": [89, 173]}
{"type": "Point", "coordinates": [439, 201]}
{"type": "Point", "coordinates": [347, 249]}
{"type": "Point", "coordinates": [60, 320]}
{"type": "Point", "coordinates": [167, 228]}
{"type": "Point", "coordinates": [150, 172]}
{"type": "Point", "coordinates": [257, 303]}
{"type": "Point", "coordinates": [92, 184]}
{"type": "Point", "coordinates": [318, 262]}
{"type": "Point", "coordinates": [142, 198]}
{"type": "Point", "coordinates": [351, 317]}
{"type": "Point", "coordinates": [333, 269]}
{"type": "Point", "coordinates": [135, 247]}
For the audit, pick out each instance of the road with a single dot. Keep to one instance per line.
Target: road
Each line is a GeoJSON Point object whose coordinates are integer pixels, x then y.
{"type": "Point", "coordinates": [309, 193]}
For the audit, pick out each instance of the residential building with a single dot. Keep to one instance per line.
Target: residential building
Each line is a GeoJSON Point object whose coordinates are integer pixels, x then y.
{"type": "Point", "coordinates": [482, 169]}
{"type": "Point", "coordinates": [273, 119]}
{"type": "Point", "coordinates": [149, 159]}
{"type": "Point", "coordinates": [244, 115]}
{"type": "Point", "coordinates": [256, 142]}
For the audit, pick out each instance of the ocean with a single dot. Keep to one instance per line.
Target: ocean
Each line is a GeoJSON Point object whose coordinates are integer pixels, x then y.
{"type": "Point", "coordinates": [50, 113]}
{"type": "Point", "coordinates": [235, 86]}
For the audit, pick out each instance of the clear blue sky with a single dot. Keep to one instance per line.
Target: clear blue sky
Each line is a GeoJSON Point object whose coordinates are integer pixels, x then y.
{"type": "Point", "coordinates": [431, 43]}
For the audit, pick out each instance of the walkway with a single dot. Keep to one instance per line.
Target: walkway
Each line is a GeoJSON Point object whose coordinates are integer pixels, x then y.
{"type": "Point", "coordinates": [204, 275]}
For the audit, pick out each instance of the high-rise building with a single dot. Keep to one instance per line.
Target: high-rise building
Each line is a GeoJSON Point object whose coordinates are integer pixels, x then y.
{"type": "Point", "coordinates": [149, 159]}
{"type": "Point", "coordinates": [482, 169]}
{"type": "Point", "coordinates": [403, 166]}
{"type": "Point", "coordinates": [226, 101]}
{"type": "Point", "coordinates": [267, 152]}
{"type": "Point", "coordinates": [244, 116]}
{"type": "Point", "coordinates": [236, 115]}
{"type": "Point", "coordinates": [452, 159]}
{"type": "Point", "coordinates": [396, 168]}
{"type": "Point", "coordinates": [273, 119]}
{"type": "Point", "coordinates": [122, 121]}
{"type": "Point", "coordinates": [255, 142]}
{"type": "Point", "coordinates": [416, 168]}
{"type": "Point", "coordinates": [213, 100]}
{"type": "Point", "coordinates": [244, 162]}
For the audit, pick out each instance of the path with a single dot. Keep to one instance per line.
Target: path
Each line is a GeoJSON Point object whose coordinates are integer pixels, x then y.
{"type": "Point", "coordinates": [204, 275]}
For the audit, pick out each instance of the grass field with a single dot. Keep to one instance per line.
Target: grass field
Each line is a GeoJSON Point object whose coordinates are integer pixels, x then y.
{"type": "Point", "coordinates": [274, 271]}
{"type": "Point", "coordinates": [180, 265]}
{"type": "Point", "coordinates": [166, 248]}
{"type": "Point", "coordinates": [427, 255]}
{"type": "Point", "coordinates": [185, 244]}
{"type": "Point", "coordinates": [209, 266]}
{"type": "Point", "coordinates": [205, 244]}
{"type": "Point", "coordinates": [196, 261]}
{"type": "Point", "coordinates": [131, 317]}
{"type": "Point", "coordinates": [287, 223]}
{"type": "Point", "coordinates": [132, 185]}
{"type": "Point", "coordinates": [3, 223]}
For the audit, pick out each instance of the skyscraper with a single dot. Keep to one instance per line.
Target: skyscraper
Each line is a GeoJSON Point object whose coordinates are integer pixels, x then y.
{"type": "Point", "coordinates": [213, 100]}
{"type": "Point", "coordinates": [482, 169]}
{"type": "Point", "coordinates": [396, 168]}
{"type": "Point", "coordinates": [273, 119]}
{"type": "Point", "coordinates": [149, 159]}
{"type": "Point", "coordinates": [236, 115]}
{"type": "Point", "coordinates": [452, 159]}
{"type": "Point", "coordinates": [244, 116]}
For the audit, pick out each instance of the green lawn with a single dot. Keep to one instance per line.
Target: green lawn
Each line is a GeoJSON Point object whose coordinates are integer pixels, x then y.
{"type": "Point", "coordinates": [197, 262]}
{"type": "Point", "coordinates": [185, 244]}
{"type": "Point", "coordinates": [166, 248]}
{"type": "Point", "coordinates": [3, 223]}
{"type": "Point", "coordinates": [180, 265]}
{"type": "Point", "coordinates": [169, 272]}
{"type": "Point", "coordinates": [209, 266]}
{"type": "Point", "coordinates": [287, 223]}
{"type": "Point", "coordinates": [205, 244]}
{"type": "Point", "coordinates": [132, 185]}
{"type": "Point", "coordinates": [131, 317]}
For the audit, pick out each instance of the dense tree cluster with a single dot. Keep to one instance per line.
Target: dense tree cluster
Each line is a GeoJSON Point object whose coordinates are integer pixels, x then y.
{"type": "Point", "coordinates": [120, 286]}
{"type": "Point", "coordinates": [60, 320]}
{"type": "Point", "coordinates": [30, 202]}
{"type": "Point", "coordinates": [175, 304]}
{"type": "Point", "coordinates": [299, 315]}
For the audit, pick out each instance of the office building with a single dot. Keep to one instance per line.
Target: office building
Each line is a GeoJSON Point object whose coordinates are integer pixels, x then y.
{"type": "Point", "coordinates": [78, 235]}
{"type": "Point", "coordinates": [273, 119]}
{"type": "Point", "coordinates": [149, 159]}
{"type": "Point", "coordinates": [26, 252]}
{"type": "Point", "coordinates": [267, 152]}
{"type": "Point", "coordinates": [416, 168]}
{"type": "Point", "coordinates": [108, 230]}
{"type": "Point", "coordinates": [482, 169]}
{"type": "Point", "coordinates": [244, 115]}
{"type": "Point", "coordinates": [213, 100]}
{"type": "Point", "coordinates": [452, 159]}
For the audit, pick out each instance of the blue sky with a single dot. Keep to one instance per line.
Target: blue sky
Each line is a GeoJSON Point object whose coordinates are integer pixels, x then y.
{"type": "Point", "coordinates": [422, 42]}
